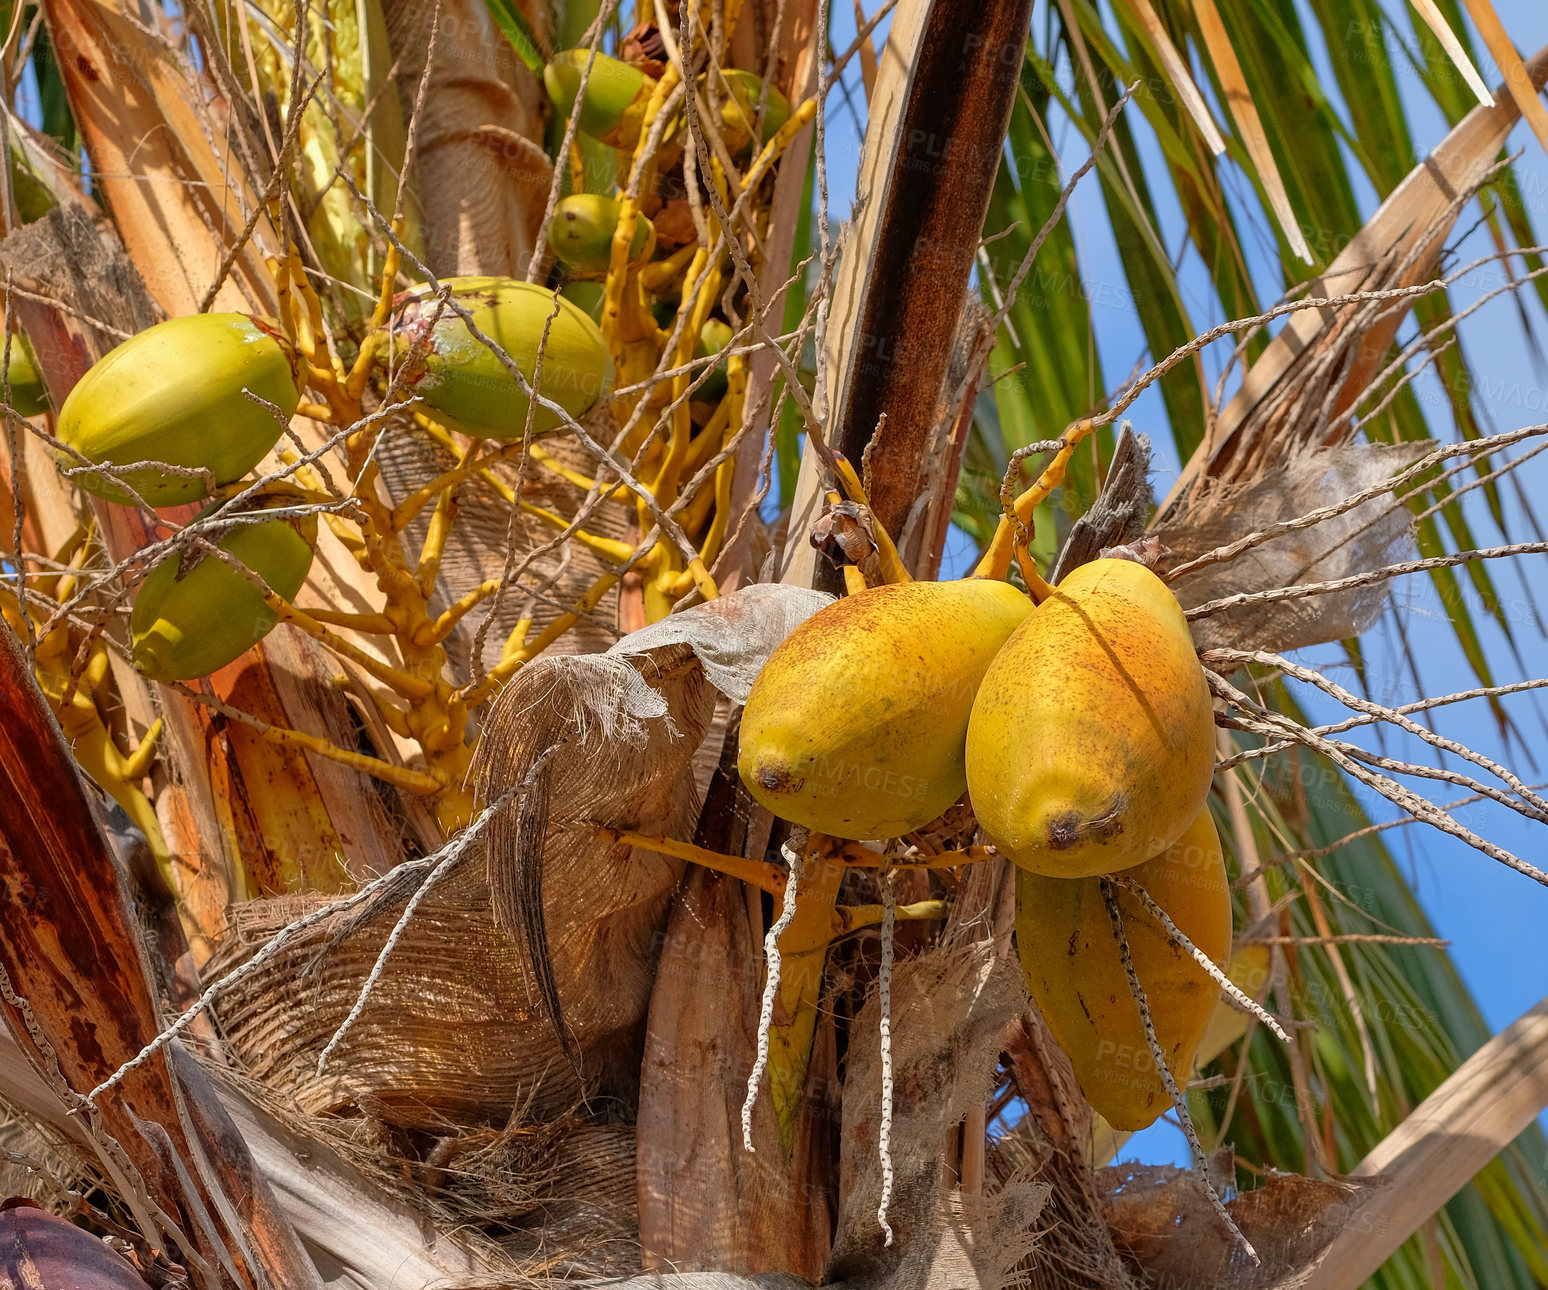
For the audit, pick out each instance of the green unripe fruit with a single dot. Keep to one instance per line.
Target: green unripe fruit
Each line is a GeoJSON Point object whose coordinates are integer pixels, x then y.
{"type": "Point", "coordinates": [29, 395]}
{"type": "Point", "coordinates": [739, 111]}
{"type": "Point", "coordinates": [174, 394]}
{"type": "Point", "coordinates": [616, 94]}
{"type": "Point", "coordinates": [467, 385]}
{"type": "Point", "coordinates": [714, 336]}
{"type": "Point", "coordinates": [582, 232]}
{"type": "Point", "coordinates": [195, 613]}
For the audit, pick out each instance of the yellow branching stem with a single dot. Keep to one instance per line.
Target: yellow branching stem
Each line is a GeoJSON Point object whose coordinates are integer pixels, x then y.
{"type": "Point", "coordinates": [862, 857]}
{"type": "Point", "coordinates": [681, 485]}
{"type": "Point", "coordinates": [420, 782]}
{"type": "Point", "coordinates": [766, 877]}
{"type": "Point", "coordinates": [658, 275]}
{"type": "Point", "coordinates": [440, 525]}
{"type": "Point", "coordinates": [400, 682]}
{"type": "Point", "coordinates": [853, 918]}
{"type": "Point", "coordinates": [468, 465]}
{"type": "Point", "coordinates": [73, 693]}
{"type": "Point", "coordinates": [1013, 532]}
{"type": "Point", "coordinates": [619, 493]}
{"type": "Point", "coordinates": [608, 548]}
{"type": "Point", "coordinates": [365, 624]}
{"type": "Point", "coordinates": [519, 650]}
{"type": "Point", "coordinates": [435, 717]}
{"type": "Point", "coordinates": [360, 373]}
{"type": "Point", "coordinates": [779, 141]}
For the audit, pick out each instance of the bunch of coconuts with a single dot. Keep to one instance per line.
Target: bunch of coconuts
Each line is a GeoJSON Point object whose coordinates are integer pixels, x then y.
{"type": "Point", "coordinates": [1082, 731]}
{"type": "Point", "coordinates": [189, 407]}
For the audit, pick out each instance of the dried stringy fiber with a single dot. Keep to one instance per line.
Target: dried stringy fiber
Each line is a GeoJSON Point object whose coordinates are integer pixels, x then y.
{"type": "Point", "coordinates": [950, 1010]}
{"type": "Point", "coordinates": [1373, 534]}
{"type": "Point", "coordinates": [454, 1031]}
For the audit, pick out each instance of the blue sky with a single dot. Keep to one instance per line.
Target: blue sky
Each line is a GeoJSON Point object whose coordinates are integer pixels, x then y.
{"type": "Point", "coordinates": [1494, 917]}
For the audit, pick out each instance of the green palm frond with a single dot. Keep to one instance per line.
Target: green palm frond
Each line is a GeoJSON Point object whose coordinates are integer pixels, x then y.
{"type": "Point", "coordinates": [1417, 1014]}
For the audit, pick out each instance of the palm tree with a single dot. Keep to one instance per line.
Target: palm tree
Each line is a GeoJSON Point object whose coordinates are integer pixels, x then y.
{"type": "Point", "coordinates": [428, 938]}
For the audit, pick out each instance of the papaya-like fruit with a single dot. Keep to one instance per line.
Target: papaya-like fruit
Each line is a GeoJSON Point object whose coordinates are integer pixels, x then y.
{"type": "Point", "coordinates": [855, 725]}
{"type": "Point", "coordinates": [174, 393]}
{"type": "Point", "coordinates": [29, 396]}
{"type": "Point", "coordinates": [1064, 936]}
{"type": "Point", "coordinates": [1249, 973]}
{"type": "Point", "coordinates": [1092, 741]}
{"type": "Point", "coordinates": [465, 382]}
{"type": "Point", "coordinates": [613, 105]}
{"type": "Point", "coordinates": [581, 233]}
{"type": "Point", "coordinates": [194, 613]}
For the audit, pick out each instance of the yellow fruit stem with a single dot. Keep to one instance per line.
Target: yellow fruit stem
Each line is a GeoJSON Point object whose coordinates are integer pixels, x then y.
{"type": "Point", "coordinates": [360, 373]}
{"type": "Point", "coordinates": [279, 269]}
{"type": "Point", "coordinates": [1014, 529]}
{"type": "Point", "coordinates": [435, 716]}
{"type": "Point", "coordinates": [365, 624]}
{"type": "Point", "coordinates": [766, 877]}
{"type": "Point", "coordinates": [519, 650]}
{"type": "Point", "coordinates": [441, 487]}
{"type": "Point", "coordinates": [892, 567]}
{"type": "Point", "coordinates": [803, 951]}
{"type": "Point", "coordinates": [851, 918]}
{"type": "Point", "coordinates": [439, 528]}
{"type": "Point", "coordinates": [621, 283]}
{"type": "Point", "coordinates": [404, 777]}
{"type": "Point", "coordinates": [399, 682]}
{"type": "Point", "coordinates": [716, 430]}
{"type": "Point", "coordinates": [696, 513]}
{"type": "Point", "coordinates": [467, 466]}
{"type": "Point", "coordinates": [607, 548]}
{"type": "Point", "coordinates": [779, 141]}
{"type": "Point", "coordinates": [619, 493]}
{"type": "Point", "coordinates": [843, 919]}
{"type": "Point", "coordinates": [862, 857]}
{"type": "Point", "coordinates": [660, 591]}
{"type": "Point", "coordinates": [656, 276]}
{"type": "Point", "coordinates": [73, 695]}
{"type": "Point", "coordinates": [724, 476]}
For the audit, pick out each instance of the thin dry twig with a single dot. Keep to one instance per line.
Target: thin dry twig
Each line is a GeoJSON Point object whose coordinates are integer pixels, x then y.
{"type": "Point", "coordinates": [1179, 1102]}
{"type": "Point", "coordinates": [1260, 720]}
{"type": "Point", "coordinates": [884, 1026]}
{"type": "Point", "coordinates": [289, 933]}
{"type": "Point", "coordinates": [1244, 1002]}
